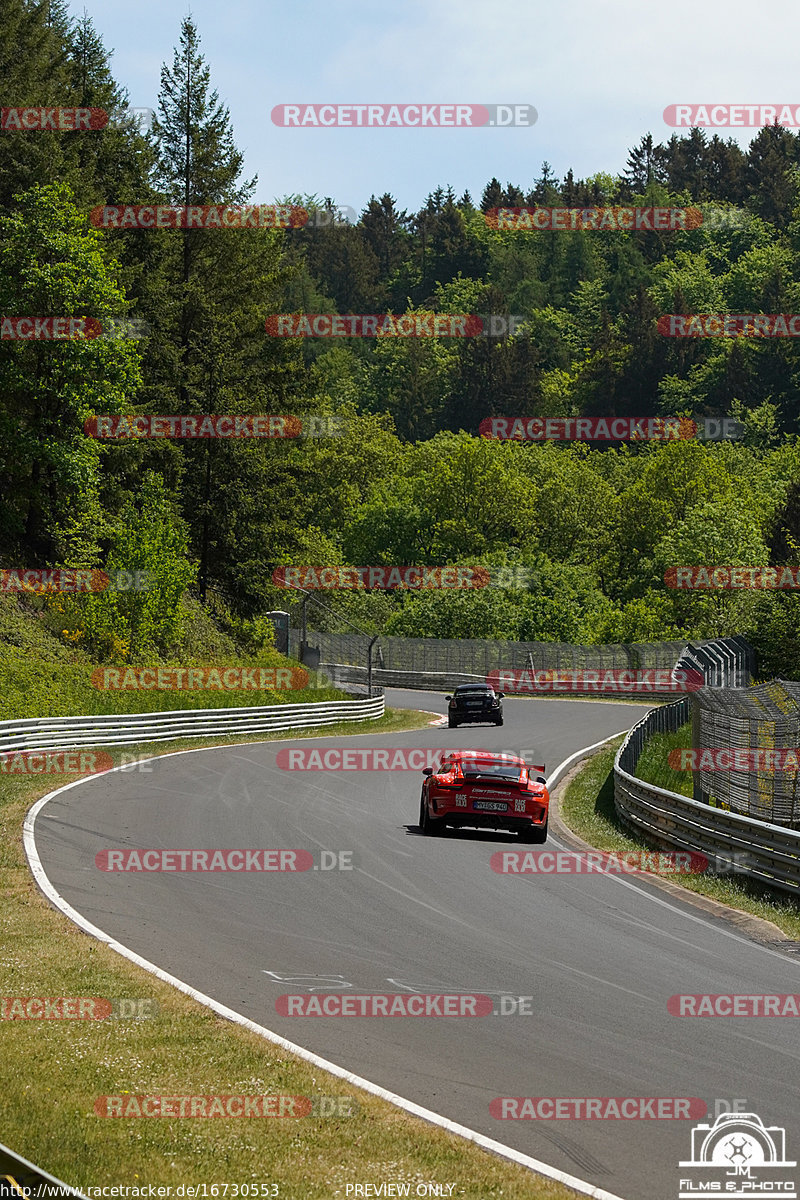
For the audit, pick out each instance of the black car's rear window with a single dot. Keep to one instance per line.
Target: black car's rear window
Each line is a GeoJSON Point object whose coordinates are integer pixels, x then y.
{"type": "Point", "coordinates": [474, 691]}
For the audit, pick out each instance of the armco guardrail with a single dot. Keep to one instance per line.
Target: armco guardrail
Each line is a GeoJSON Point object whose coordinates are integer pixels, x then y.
{"type": "Point", "coordinates": [667, 819]}
{"type": "Point", "coordinates": [69, 733]}
{"type": "Point", "coordinates": [345, 675]}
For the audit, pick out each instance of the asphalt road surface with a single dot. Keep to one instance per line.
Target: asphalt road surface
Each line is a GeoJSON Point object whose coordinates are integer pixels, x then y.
{"type": "Point", "coordinates": [599, 956]}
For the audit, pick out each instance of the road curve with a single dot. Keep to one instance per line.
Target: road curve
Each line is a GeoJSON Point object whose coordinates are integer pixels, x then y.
{"type": "Point", "coordinates": [599, 956]}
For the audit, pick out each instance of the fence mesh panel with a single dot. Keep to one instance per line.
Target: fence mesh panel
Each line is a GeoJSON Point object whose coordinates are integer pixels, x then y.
{"type": "Point", "coordinates": [764, 717]}
{"type": "Point", "coordinates": [442, 663]}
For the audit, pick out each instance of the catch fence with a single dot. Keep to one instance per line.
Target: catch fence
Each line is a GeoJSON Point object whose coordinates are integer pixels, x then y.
{"type": "Point", "coordinates": [439, 664]}
{"type": "Point", "coordinates": [761, 718]}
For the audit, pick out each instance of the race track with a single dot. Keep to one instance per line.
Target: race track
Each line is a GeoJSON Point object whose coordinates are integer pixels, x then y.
{"type": "Point", "coordinates": [599, 956]}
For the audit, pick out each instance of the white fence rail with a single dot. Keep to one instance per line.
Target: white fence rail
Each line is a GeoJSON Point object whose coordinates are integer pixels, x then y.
{"type": "Point", "coordinates": [762, 851]}
{"type": "Point", "coordinates": [70, 733]}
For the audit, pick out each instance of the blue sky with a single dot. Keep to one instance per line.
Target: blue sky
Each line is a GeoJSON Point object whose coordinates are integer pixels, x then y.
{"type": "Point", "coordinates": [599, 75]}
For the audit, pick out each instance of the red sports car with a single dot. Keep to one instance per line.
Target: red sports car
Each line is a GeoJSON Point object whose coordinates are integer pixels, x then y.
{"type": "Point", "coordinates": [486, 789]}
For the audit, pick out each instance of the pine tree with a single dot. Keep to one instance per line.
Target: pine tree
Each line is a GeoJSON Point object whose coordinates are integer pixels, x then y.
{"type": "Point", "coordinates": [385, 231]}
{"type": "Point", "coordinates": [771, 173]}
{"type": "Point", "coordinates": [569, 192]}
{"type": "Point", "coordinates": [640, 167]}
{"type": "Point", "coordinates": [34, 72]}
{"type": "Point", "coordinates": [545, 190]}
{"type": "Point", "coordinates": [208, 302]}
{"type": "Point", "coordinates": [492, 195]}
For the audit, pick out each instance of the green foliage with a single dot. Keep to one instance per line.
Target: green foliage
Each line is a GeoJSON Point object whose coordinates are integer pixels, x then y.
{"type": "Point", "coordinates": [148, 544]}
{"type": "Point", "coordinates": [409, 481]}
{"type": "Point", "coordinates": [49, 470]}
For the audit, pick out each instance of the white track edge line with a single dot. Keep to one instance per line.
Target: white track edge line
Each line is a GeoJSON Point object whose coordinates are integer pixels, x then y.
{"type": "Point", "coordinates": [486, 1143]}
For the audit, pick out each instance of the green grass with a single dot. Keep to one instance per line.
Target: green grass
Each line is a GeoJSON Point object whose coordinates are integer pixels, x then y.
{"type": "Point", "coordinates": [588, 809]}
{"type": "Point", "coordinates": [653, 766]}
{"type": "Point", "coordinates": [53, 1071]}
{"type": "Point", "coordinates": [40, 676]}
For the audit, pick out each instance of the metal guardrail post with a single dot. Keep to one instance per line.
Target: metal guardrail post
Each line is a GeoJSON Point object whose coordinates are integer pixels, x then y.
{"type": "Point", "coordinates": [369, 666]}
{"type": "Point", "coordinates": [303, 630]}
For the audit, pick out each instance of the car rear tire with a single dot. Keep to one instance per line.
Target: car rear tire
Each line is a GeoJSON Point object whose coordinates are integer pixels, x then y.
{"type": "Point", "coordinates": [426, 823]}
{"type": "Point", "coordinates": [500, 722]}
{"type": "Point", "coordinates": [452, 724]}
{"type": "Point", "coordinates": [535, 835]}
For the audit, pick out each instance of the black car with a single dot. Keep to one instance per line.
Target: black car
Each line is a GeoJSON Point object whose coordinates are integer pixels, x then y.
{"type": "Point", "coordinates": [474, 702]}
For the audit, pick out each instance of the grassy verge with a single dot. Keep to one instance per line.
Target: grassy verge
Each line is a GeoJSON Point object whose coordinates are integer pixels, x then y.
{"type": "Point", "coordinates": [42, 676]}
{"type": "Point", "coordinates": [653, 766]}
{"type": "Point", "coordinates": [588, 809]}
{"type": "Point", "coordinates": [53, 1071]}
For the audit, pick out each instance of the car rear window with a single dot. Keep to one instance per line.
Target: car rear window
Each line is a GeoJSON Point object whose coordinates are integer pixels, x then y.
{"type": "Point", "coordinates": [498, 770]}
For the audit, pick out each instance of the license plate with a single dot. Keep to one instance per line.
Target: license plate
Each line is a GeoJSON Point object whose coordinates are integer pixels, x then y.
{"type": "Point", "coordinates": [491, 805]}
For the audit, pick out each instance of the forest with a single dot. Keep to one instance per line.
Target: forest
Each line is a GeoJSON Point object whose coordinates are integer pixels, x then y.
{"type": "Point", "coordinates": [578, 538]}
